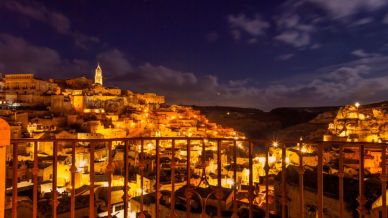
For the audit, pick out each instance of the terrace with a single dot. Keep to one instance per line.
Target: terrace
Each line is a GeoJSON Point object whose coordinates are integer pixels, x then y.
{"type": "Point", "coordinates": [288, 188]}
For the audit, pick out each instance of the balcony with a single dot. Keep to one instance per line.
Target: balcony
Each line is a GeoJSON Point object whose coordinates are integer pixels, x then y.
{"type": "Point", "coordinates": [192, 177]}
{"type": "Point", "coordinates": [222, 182]}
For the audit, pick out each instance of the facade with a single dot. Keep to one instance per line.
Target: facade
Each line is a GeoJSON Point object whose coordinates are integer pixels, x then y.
{"type": "Point", "coordinates": [27, 84]}
{"type": "Point", "coordinates": [98, 75]}
{"type": "Point", "coordinates": [77, 109]}
{"type": "Point", "coordinates": [362, 124]}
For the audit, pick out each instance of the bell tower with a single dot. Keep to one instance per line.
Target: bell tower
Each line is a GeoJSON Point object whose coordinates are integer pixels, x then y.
{"type": "Point", "coordinates": [98, 75]}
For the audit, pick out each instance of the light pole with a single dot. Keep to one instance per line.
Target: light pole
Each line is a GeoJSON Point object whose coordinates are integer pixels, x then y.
{"type": "Point", "coordinates": [357, 104]}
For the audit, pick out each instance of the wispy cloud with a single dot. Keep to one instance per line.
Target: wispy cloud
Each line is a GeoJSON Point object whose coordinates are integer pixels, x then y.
{"type": "Point", "coordinates": [293, 31]}
{"type": "Point", "coordinates": [362, 21]}
{"type": "Point", "coordinates": [56, 20]}
{"type": "Point", "coordinates": [18, 55]}
{"type": "Point", "coordinates": [362, 54]}
{"type": "Point", "coordinates": [360, 79]}
{"type": "Point", "coordinates": [39, 12]}
{"type": "Point", "coordinates": [285, 57]}
{"type": "Point", "coordinates": [339, 84]}
{"type": "Point", "coordinates": [338, 9]}
{"type": "Point", "coordinates": [385, 19]}
{"type": "Point", "coordinates": [253, 27]}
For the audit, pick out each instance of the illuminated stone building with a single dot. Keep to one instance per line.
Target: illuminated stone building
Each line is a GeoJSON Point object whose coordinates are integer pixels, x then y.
{"type": "Point", "coordinates": [98, 75]}
{"type": "Point", "coordinates": [78, 109]}
{"type": "Point", "coordinates": [27, 84]}
{"type": "Point", "coordinates": [151, 98]}
{"type": "Point", "coordinates": [362, 124]}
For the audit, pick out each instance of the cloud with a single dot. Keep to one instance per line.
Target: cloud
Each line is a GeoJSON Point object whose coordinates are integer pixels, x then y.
{"type": "Point", "coordinates": [363, 79]}
{"type": "Point", "coordinates": [362, 54]}
{"type": "Point", "coordinates": [362, 21]}
{"type": "Point", "coordinates": [342, 8]}
{"type": "Point", "coordinates": [315, 46]}
{"type": "Point", "coordinates": [56, 20]}
{"type": "Point", "coordinates": [385, 19]}
{"type": "Point", "coordinates": [39, 12]}
{"type": "Point", "coordinates": [254, 27]}
{"type": "Point", "coordinates": [115, 61]}
{"type": "Point", "coordinates": [18, 55]}
{"type": "Point", "coordinates": [294, 38]}
{"type": "Point", "coordinates": [335, 85]}
{"type": "Point", "coordinates": [293, 31]}
{"type": "Point", "coordinates": [84, 41]}
{"type": "Point", "coordinates": [285, 57]}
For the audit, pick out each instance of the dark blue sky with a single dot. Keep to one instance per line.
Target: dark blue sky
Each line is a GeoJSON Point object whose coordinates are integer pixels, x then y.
{"type": "Point", "coordinates": [262, 54]}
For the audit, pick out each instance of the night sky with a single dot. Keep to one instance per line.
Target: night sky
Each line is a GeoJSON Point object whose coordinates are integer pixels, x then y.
{"type": "Point", "coordinates": [259, 53]}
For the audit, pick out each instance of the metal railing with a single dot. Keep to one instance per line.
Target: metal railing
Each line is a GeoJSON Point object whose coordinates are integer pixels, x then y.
{"type": "Point", "coordinates": [226, 151]}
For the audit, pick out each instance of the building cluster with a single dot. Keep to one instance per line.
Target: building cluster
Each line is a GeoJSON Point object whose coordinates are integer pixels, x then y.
{"type": "Point", "coordinates": [78, 105]}
{"type": "Point", "coordinates": [353, 123]}
{"type": "Point", "coordinates": [81, 109]}
{"type": "Point", "coordinates": [359, 124]}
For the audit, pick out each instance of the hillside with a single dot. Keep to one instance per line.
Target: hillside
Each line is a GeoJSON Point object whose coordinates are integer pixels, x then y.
{"type": "Point", "coordinates": [277, 123]}
{"type": "Point", "coordinates": [286, 123]}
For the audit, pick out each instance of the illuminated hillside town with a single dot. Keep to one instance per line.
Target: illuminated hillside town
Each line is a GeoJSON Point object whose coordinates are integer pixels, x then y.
{"type": "Point", "coordinates": [194, 109]}
{"type": "Point", "coordinates": [81, 109]}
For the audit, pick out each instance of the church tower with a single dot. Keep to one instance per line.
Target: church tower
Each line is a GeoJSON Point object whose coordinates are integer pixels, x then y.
{"type": "Point", "coordinates": [98, 75]}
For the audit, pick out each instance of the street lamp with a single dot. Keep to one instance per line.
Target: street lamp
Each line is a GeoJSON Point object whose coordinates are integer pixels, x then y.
{"type": "Point", "coordinates": [357, 104]}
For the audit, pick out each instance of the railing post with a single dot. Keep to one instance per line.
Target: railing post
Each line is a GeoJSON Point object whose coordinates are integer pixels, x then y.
{"type": "Point", "coordinates": [54, 180]}
{"type": "Point", "coordinates": [283, 182]}
{"type": "Point", "coordinates": [141, 166]}
{"type": "Point", "coordinates": [35, 172]}
{"type": "Point", "coordinates": [235, 215]}
{"type": "Point", "coordinates": [189, 193]}
{"type": "Point", "coordinates": [158, 171]}
{"type": "Point", "coordinates": [5, 137]}
{"type": "Point", "coordinates": [383, 179]}
{"type": "Point", "coordinates": [320, 180]}
{"type": "Point", "coordinates": [125, 197]}
{"type": "Point", "coordinates": [250, 190]}
{"type": "Point", "coordinates": [109, 169]}
{"type": "Point", "coordinates": [361, 187]}
{"type": "Point", "coordinates": [266, 168]}
{"type": "Point", "coordinates": [15, 180]}
{"type": "Point", "coordinates": [301, 184]}
{"type": "Point", "coordinates": [173, 165]}
{"type": "Point", "coordinates": [219, 193]}
{"type": "Point", "coordinates": [91, 180]}
{"type": "Point", "coordinates": [341, 180]}
{"type": "Point", "coordinates": [73, 170]}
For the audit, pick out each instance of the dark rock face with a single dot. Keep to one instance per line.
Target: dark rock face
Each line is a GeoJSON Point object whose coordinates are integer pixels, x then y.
{"type": "Point", "coordinates": [280, 123]}
{"type": "Point", "coordinates": [277, 123]}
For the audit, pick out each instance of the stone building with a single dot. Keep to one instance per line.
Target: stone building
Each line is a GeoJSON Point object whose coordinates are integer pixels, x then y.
{"type": "Point", "coordinates": [27, 84]}
{"type": "Point", "coordinates": [98, 75]}
{"type": "Point", "coordinates": [352, 123]}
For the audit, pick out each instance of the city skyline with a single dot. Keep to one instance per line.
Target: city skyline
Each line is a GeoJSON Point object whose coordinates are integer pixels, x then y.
{"type": "Point", "coordinates": [246, 54]}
